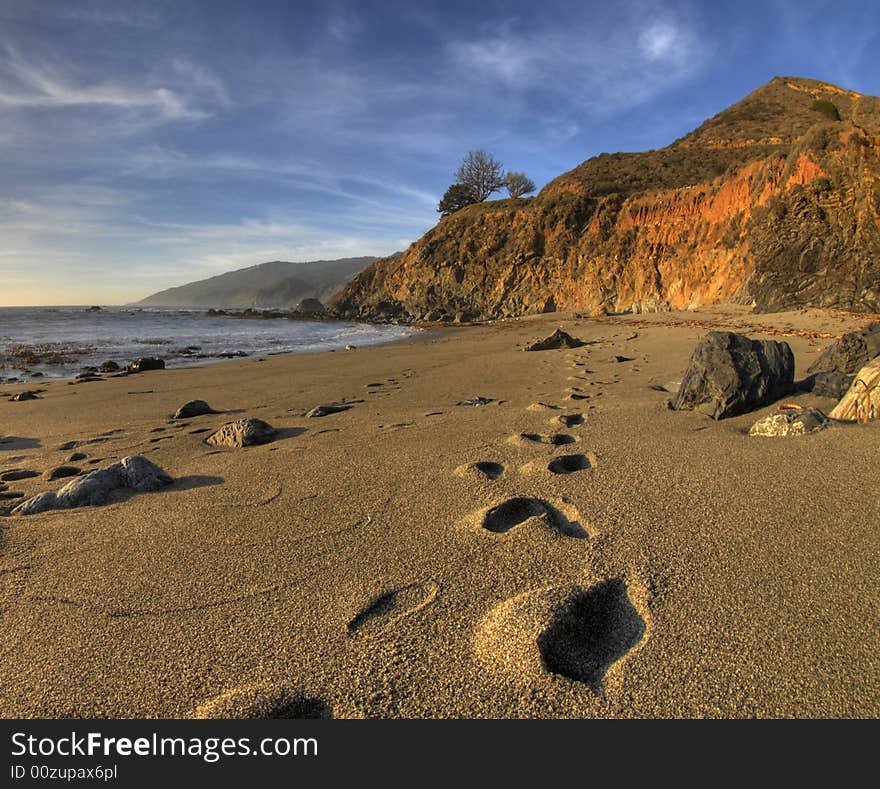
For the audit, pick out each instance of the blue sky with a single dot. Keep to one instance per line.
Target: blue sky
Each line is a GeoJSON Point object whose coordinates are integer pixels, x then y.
{"type": "Point", "coordinates": [149, 144]}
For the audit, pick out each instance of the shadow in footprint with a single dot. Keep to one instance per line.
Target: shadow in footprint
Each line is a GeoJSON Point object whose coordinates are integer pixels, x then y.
{"type": "Point", "coordinates": [482, 469]}
{"type": "Point", "coordinates": [8, 443]}
{"type": "Point", "coordinates": [384, 611]}
{"type": "Point", "coordinates": [590, 632]}
{"type": "Point", "coordinates": [516, 511]}
{"type": "Point", "coordinates": [568, 464]}
{"type": "Point", "coordinates": [570, 420]}
{"type": "Point", "coordinates": [264, 702]}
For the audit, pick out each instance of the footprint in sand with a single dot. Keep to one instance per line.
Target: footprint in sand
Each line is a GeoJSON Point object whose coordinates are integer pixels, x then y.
{"type": "Point", "coordinates": [263, 701]}
{"type": "Point", "coordinates": [541, 406]}
{"type": "Point", "coordinates": [568, 631]}
{"type": "Point", "coordinates": [383, 612]}
{"type": "Point", "coordinates": [530, 439]}
{"type": "Point", "coordinates": [511, 513]}
{"type": "Point", "coordinates": [481, 470]}
{"type": "Point", "coordinates": [569, 420]}
{"type": "Point", "coordinates": [568, 464]}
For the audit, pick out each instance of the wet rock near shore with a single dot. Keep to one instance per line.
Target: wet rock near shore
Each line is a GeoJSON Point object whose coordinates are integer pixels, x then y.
{"type": "Point", "coordinates": [146, 363]}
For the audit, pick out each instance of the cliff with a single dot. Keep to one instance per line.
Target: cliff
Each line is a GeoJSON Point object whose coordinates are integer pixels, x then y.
{"type": "Point", "coordinates": [274, 284]}
{"type": "Point", "coordinates": [772, 202]}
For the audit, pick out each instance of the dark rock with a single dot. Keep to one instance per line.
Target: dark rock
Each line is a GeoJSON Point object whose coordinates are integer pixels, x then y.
{"type": "Point", "coordinates": [477, 400]}
{"type": "Point", "coordinates": [193, 408]}
{"type": "Point", "coordinates": [324, 410]}
{"type": "Point", "coordinates": [22, 396]}
{"type": "Point", "coordinates": [93, 309]}
{"type": "Point", "coordinates": [62, 471]}
{"type": "Point", "coordinates": [95, 488]}
{"type": "Point", "coordinates": [243, 433]}
{"type": "Point", "coordinates": [310, 307]}
{"type": "Point", "coordinates": [618, 359]}
{"type": "Point", "coordinates": [850, 353]}
{"type": "Point", "coordinates": [832, 384]}
{"type": "Point", "coordinates": [559, 339]}
{"type": "Point", "coordinates": [731, 374]}
{"type": "Point", "coordinates": [109, 367]}
{"type": "Point", "coordinates": [146, 363]}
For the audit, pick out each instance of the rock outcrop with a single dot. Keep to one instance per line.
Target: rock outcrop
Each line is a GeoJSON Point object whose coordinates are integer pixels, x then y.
{"type": "Point", "coordinates": [835, 369]}
{"type": "Point", "coordinates": [559, 339]}
{"type": "Point", "coordinates": [134, 473]}
{"type": "Point", "coordinates": [732, 374]}
{"type": "Point", "coordinates": [773, 202]}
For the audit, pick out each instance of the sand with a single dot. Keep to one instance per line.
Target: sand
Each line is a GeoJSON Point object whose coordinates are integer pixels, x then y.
{"type": "Point", "coordinates": [410, 557]}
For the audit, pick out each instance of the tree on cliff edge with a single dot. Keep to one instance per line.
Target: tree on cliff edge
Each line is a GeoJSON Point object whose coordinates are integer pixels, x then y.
{"type": "Point", "coordinates": [482, 173]}
{"type": "Point", "coordinates": [519, 184]}
{"type": "Point", "coordinates": [457, 196]}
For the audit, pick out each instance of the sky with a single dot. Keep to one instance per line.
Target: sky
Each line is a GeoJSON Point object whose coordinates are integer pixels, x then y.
{"type": "Point", "coordinates": [148, 144]}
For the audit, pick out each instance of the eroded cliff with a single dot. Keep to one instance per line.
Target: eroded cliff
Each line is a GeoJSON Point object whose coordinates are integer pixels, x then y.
{"type": "Point", "coordinates": [773, 202]}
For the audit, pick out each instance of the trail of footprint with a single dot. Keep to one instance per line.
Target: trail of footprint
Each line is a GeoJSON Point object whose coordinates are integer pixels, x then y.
{"type": "Point", "coordinates": [519, 510]}
{"type": "Point", "coordinates": [481, 469]}
{"type": "Point", "coordinates": [385, 611]}
{"type": "Point", "coordinates": [569, 420]}
{"type": "Point", "coordinates": [530, 439]}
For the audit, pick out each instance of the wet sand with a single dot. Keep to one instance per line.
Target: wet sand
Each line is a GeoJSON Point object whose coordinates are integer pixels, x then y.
{"type": "Point", "coordinates": [570, 549]}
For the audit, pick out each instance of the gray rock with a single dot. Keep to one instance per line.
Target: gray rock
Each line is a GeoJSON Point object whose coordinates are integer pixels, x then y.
{"type": "Point", "coordinates": [477, 400]}
{"type": "Point", "coordinates": [850, 353]}
{"type": "Point", "coordinates": [146, 363]}
{"type": "Point", "coordinates": [831, 384]}
{"type": "Point", "coordinates": [790, 421]}
{"type": "Point", "coordinates": [193, 408]}
{"type": "Point", "coordinates": [732, 374]}
{"type": "Point", "coordinates": [243, 433]}
{"type": "Point", "coordinates": [324, 410]}
{"type": "Point", "coordinates": [559, 339]}
{"type": "Point", "coordinates": [134, 473]}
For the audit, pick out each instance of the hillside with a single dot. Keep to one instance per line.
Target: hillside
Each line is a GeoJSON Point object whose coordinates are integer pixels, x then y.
{"type": "Point", "coordinates": [275, 284]}
{"type": "Point", "coordinates": [773, 202]}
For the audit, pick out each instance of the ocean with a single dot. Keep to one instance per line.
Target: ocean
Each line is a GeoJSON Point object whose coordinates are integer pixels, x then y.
{"type": "Point", "coordinates": [59, 342]}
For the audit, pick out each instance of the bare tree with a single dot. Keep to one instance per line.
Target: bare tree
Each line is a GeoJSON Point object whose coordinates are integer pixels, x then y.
{"type": "Point", "coordinates": [482, 173]}
{"type": "Point", "coordinates": [519, 184]}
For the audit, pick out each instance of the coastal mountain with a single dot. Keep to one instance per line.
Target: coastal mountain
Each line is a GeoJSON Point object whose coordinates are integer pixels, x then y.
{"type": "Point", "coordinates": [773, 202]}
{"type": "Point", "coordinates": [275, 284]}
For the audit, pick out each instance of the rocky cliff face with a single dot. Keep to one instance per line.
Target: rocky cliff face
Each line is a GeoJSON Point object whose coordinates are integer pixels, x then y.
{"type": "Point", "coordinates": [774, 202]}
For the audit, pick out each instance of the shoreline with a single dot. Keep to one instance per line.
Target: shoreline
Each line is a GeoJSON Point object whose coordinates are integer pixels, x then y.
{"type": "Point", "coordinates": [405, 557]}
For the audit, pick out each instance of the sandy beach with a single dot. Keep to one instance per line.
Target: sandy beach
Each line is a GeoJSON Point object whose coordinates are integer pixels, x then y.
{"type": "Point", "coordinates": [411, 557]}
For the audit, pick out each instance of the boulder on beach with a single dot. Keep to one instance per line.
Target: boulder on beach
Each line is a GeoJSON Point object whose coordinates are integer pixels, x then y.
{"type": "Point", "coordinates": [146, 363]}
{"type": "Point", "coordinates": [836, 367]}
{"type": "Point", "coordinates": [109, 367]}
{"type": "Point", "coordinates": [309, 307]}
{"type": "Point", "coordinates": [790, 420]}
{"type": "Point", "coordinates": [861, 403]}
{"type": "Point", "coordinates": [732, 374]}
{"type": "Point", "coordinates": [95, 488]}
{"type": "Point", "coordinates": [193, 408]}
{"type": "Point", "coordinates": [324, 410]}
{"type": "Point", "coordinates": [243, 433]}
{"type": "Point", "coordinates": [559, 339]}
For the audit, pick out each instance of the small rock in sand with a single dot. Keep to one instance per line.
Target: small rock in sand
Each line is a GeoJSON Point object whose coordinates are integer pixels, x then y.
{"type": "Point", "coordinates": [324, 410]}
{"type": "Point", "coordinates": [134, 473]}
{"type": "Point", "coordinates": [22, 396]}
{"type": "Point", "coordinates": [790, 421]}
{"type": "Point", "coordinates": [559, 339]}
{"type": "Point", "coordinates": [146, 363]}
{"type": "Point", "coordinates": [478, 400]}
{"type": "Point", "coordinates": [193, 408]}
{"type": "Point", "coordinates": [243, 433]}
